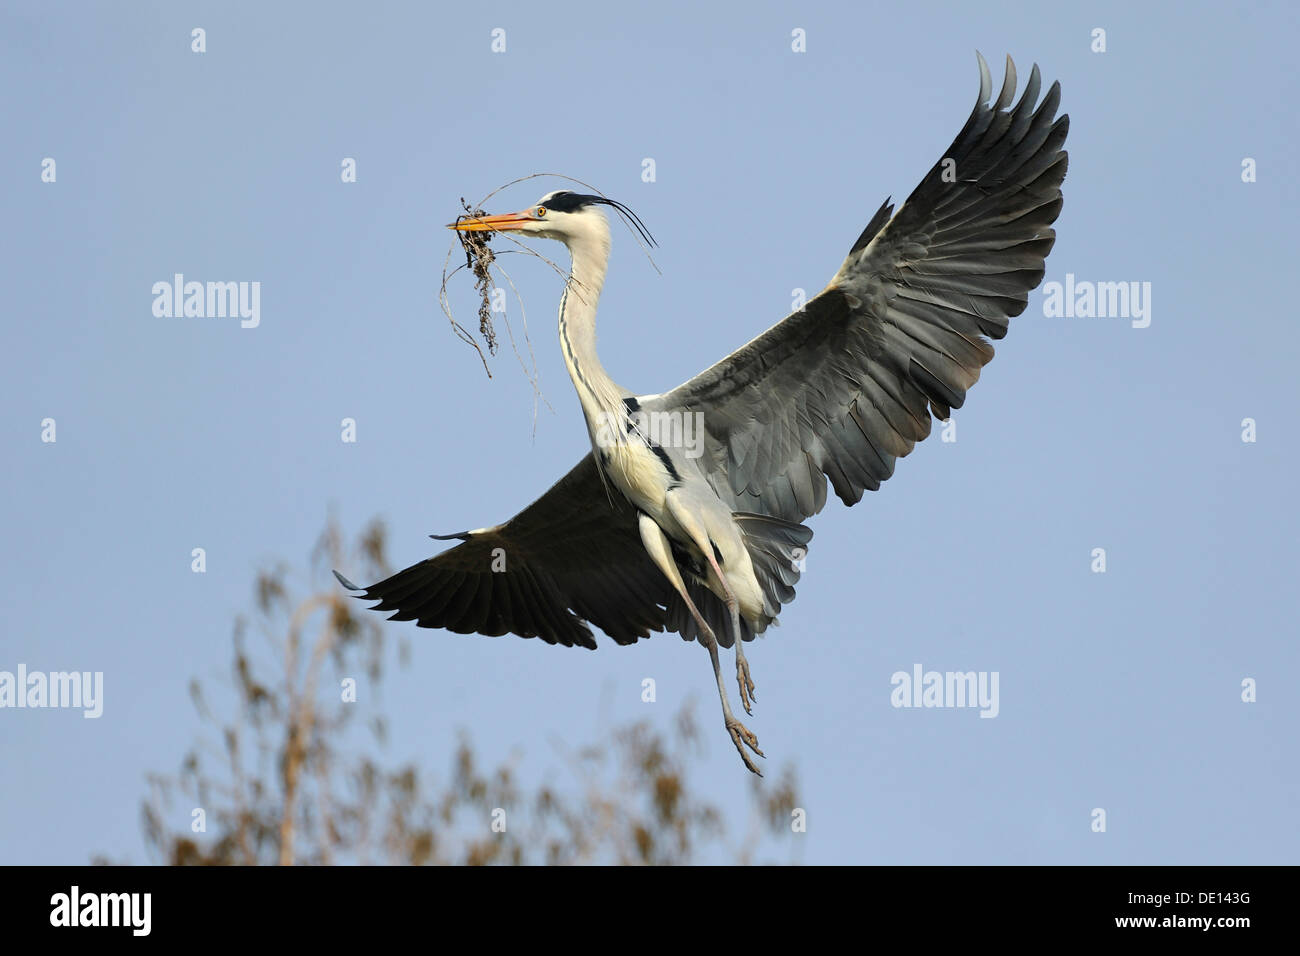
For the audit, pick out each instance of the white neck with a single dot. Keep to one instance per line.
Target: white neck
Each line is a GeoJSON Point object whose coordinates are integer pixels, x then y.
{"type": "Point", "coordinates": [596, 390]}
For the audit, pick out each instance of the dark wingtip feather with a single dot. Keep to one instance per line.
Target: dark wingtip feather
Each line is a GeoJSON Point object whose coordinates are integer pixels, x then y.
{"type": "Point", "coordinates": [346, 583]}
{"type": "Point", "coordinates": [875, 225]}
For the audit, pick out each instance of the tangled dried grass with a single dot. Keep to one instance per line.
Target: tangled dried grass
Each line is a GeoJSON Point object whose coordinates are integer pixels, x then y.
{"type": "Point", "coordinates": [479, 259]}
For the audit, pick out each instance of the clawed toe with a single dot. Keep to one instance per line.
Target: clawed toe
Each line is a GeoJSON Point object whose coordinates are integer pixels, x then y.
{"type": "Point", "coordinates": [742, 737]}
{"type": "Point", "coordinates": [746, 685]}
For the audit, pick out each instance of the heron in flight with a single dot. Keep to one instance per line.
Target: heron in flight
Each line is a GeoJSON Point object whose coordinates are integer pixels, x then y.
{"type": "Point", "coordinates": [646, 534]}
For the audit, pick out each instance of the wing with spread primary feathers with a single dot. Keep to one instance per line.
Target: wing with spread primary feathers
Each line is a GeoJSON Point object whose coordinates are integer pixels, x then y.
{"type": "Point", "coordinates": [573, 556]}
{"type": "Point", "coordinates": [845, 387]}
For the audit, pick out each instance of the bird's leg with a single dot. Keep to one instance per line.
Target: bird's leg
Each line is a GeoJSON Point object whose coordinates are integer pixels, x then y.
{"type": "Point", "coordinates": [702, 541]}
{"type": "Point", "coordinates": [745, 682]}
{"type": "Point", "coordinates": [656, 545]}
{"type": "Point", "coordinates": [741, 735]}
{"type": "Point", "coordinates": [742, 670]}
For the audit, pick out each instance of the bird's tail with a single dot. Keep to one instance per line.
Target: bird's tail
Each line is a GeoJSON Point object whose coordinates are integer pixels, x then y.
{"type": "Point", "coordinates": [777, 549]}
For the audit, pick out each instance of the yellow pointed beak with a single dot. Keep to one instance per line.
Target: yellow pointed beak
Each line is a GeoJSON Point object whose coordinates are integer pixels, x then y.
{"type": "Point", "coordinates": [504, 223]}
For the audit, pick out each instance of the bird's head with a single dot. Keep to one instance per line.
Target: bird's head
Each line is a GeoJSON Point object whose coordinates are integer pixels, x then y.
{"type": "Point", "coordinates": [564, 215]}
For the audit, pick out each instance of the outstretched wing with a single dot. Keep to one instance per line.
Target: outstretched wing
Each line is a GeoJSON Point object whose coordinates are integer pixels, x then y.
{"type": "Point", "coordinates": [845, 387]}
{"type": "Point", "coordinates": [572, 556]}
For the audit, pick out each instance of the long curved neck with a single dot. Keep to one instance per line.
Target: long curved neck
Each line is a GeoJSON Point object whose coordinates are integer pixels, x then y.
{"type": "Point", "coordinates": [600, 397]}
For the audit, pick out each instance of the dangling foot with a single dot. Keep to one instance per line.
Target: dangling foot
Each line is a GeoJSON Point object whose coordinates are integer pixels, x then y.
{"type": "Point", "coordinates": [745, 681]}
{"type": "Point", "coordinates": [742, 738]}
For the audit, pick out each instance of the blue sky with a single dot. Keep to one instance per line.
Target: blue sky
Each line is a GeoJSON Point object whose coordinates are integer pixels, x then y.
{"type": "Point", "coordinates": [1119, 690]}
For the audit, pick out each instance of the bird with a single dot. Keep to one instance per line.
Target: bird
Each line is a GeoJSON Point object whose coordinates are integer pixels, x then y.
{"type": "Point", "coordinates": [688, 514]}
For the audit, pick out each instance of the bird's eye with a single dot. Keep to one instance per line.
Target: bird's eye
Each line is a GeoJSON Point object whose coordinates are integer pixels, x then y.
{"type": "Point", "coordinates": [541, 212]}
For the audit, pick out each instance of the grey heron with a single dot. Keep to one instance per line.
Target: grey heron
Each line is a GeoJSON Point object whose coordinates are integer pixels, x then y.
{"type": "Point", "coordinates": [642, 535]}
